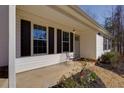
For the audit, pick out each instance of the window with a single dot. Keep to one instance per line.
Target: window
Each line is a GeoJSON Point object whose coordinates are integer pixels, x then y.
{"type": "Point", "coordinates": [59, 41]}
{"type": "Point", "coordinates": [65, 42]}
{"type": "Point", "coordinates": [71, 42]}
{"type": "Point", "coordinates": [109, 44]}
{"type": "Point", "coordinates": [104, 44]}
{"type": "Point", "coordinates": [51, 40]}
{"type": "Point", "coordinates": [39, 35]}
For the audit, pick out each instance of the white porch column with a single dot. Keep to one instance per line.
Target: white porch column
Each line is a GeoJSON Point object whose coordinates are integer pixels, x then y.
{"type": "Point", "coordinates": [12, 34]}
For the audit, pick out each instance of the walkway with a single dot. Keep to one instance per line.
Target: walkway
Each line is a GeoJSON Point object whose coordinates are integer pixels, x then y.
{"type": "Point", "coordinates": [109, 78]}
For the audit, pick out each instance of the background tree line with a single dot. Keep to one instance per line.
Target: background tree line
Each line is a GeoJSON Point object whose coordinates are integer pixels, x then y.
{"type": "Point", "coordinates": [115, 25]}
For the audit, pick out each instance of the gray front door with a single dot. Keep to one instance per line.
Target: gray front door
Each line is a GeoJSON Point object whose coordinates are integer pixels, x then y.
{"type": "Point", "coordinates": [77, 46]}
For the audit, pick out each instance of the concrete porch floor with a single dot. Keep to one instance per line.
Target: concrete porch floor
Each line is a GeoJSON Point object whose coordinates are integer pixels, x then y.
{"type": "Point", "coordinates": [46, 76]}
{"type": "Point", "coordinates": [3, 83]}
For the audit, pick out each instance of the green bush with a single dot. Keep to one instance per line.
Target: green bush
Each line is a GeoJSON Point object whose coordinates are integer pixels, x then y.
{"type": "Point", "coordinates": [82, 79]}
{"type": "Point", "coordinates": [111, 58]}
{"type": "Point", "coordinates": [69, 83]}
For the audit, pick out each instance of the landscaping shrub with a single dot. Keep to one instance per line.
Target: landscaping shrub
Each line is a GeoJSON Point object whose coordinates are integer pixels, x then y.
{"type": "Point", "coordinates": [87, 59]}
{"type": "Point", "coordinates": [83, 79]}
{"type": "Point", "coordinates": [115, 60]}
{"type": "Point", "coordinates": [111, 58]}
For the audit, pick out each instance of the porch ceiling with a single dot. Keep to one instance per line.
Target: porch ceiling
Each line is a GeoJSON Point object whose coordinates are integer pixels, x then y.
{"type": "Point", "coordinates": [71, 16]}
{"type": "Point", "coordinates": [58, 14]}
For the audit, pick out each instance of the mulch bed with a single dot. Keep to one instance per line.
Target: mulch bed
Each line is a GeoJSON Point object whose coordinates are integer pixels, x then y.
{"type": "Point", "coordinates": [97, 83]}
{"type": "Point", "coordinates": [86, 59]}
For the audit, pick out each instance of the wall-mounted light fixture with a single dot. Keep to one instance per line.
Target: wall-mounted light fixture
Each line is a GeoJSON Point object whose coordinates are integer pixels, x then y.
{"type": "Point", "coordinates": [99, 33]}
{"type": "Point", "coordinates": [74, 30]}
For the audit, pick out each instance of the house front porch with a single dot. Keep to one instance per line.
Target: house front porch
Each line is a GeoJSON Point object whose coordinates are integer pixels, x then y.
{"type": "Point", "coordinates": [51, 75]}
{"type": "Point", "coordinates": [43, 41]}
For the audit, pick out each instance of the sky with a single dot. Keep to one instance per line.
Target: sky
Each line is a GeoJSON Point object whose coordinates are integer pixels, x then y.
{"type": "Point", "coordinates": [98, 12]}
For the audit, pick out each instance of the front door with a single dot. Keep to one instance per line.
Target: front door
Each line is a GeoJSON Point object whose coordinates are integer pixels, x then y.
{"type": "Point", "coordinates": [77, 46]}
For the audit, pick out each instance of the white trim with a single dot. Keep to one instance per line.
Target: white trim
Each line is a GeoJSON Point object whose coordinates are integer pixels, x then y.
{"type": "Point", "coordinates": [47, 40]}
{"type": "Point", "coordinates": [32, 39]}
{"type": "Point", "coordinates": [74, 43]}
{"type": "Point", "coordinates": [69, 42]}
{"type": "Point", "coordinates": [61, 41]}
{"type": "Point", "coordinates": [55, 41]}
{"type": "Point", "coordinates": [12, 44]}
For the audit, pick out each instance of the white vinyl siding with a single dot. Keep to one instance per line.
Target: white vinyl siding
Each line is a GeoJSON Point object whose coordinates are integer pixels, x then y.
{"type": "Point", "coordinates": [101, 45]}
{"type": "Point", "coordinates": [33, 62]}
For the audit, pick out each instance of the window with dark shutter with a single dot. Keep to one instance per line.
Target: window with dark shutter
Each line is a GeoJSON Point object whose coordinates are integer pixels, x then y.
{"type": "Point", "coordinates": [51, 40]}
{"type": "Point", "coordinates": [71, 42]}
{"type": "Point", "coordinates": [59, 41]}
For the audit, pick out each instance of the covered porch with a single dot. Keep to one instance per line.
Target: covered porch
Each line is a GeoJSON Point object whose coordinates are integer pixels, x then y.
{"type": "Point", "coordinates": [60, 42]}
{"type": "Point", "coordinates": [80, 38]}
{"type": "Point", "coordinates": [47, 76]}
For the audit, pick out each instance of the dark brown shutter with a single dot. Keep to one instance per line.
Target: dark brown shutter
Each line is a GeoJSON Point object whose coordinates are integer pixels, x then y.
{"type": "Point", "coordinates": [25, 38]}
{"type": "Point", "coordinates": [59, 41]}
{"type": "Point", "coordinates": [71, 42]}
{"type": "Point", "coordinates": [51, 40]}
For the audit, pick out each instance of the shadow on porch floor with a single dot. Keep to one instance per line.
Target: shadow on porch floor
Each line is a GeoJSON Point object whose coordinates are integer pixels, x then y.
{"type": "Point", "coordinates": [4, 77]}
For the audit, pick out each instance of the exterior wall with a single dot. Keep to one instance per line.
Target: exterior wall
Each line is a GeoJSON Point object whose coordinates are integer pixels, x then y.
{"type": "Point", "coordinates": [99, 46]}
{"type": "Point", "coordinates": [88, 44]}
{"type": "Point", "coordinates": [4, 34]}
{"type": "Point", "coordinates": [28, 63]}
{"type": "Point", "coordinates": [89, 41]}
{"type": "Point", "coordinates": [91, 45]}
